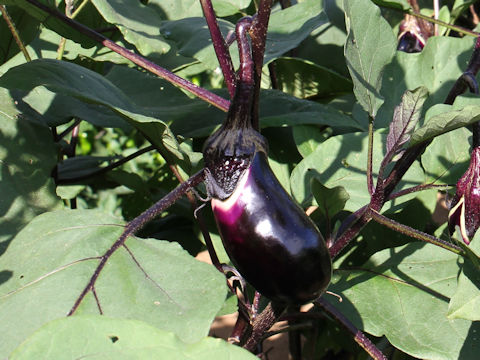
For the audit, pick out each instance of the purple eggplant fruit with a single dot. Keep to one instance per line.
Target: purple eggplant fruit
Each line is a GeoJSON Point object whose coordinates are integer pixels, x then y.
{"type": "Point", "coordinates": [273, 244]}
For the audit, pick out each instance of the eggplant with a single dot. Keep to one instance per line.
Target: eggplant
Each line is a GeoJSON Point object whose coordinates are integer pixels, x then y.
{"type": "Point", "coordinates": [273, 244]}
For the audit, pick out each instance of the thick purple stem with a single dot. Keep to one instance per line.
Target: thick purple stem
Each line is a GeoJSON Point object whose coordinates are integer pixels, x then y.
{"type": "Point", "coordinates": [220, 46]}
{"type": "Point", "coordinates": [203, 94]}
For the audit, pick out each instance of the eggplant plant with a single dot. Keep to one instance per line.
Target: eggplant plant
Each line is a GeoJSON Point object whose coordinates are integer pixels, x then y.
{"type": "Point", "coordinates": [310, 160]}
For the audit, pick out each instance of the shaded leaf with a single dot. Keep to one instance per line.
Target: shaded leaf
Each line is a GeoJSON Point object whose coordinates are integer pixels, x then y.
{"type": "Point", "coordinates": [465, 303]}
{"type": "Point", "coordinates": [304, 79]}
{"type": "Point", "coordinates": [405, 118]}
{"type": "Point", "coordinates": [446, 159]}
{"type": "Point", "coordinates": [53, 258]}
{"type": "Point", "coordinates": [330, 201]}
{"type": "Point", "coordinates": [137, 22]}
{"type": "Point", "coordinates": [308, 137]}
{"type": "Point", "coordinates": [289, 27]}
{"type": "Point", "coordinates": [436, 67]}
{"type": "Point", "coordinates": [395, 4]}
{"type": "Point", "coordinates": [76, 81]}
{"type": "Point", "coordinates": [27, 158]}
{"type": "Point", "coordinates": [117, 339]}
{"type": "Point", "coordinates": [369, 47]}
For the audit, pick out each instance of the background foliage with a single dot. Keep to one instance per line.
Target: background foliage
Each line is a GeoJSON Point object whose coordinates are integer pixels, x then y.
{"type": "Point", "coordinates": [336, 69]}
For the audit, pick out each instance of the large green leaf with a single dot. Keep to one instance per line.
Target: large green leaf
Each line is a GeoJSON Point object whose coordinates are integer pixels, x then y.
{"type": "Point", "coordinates": [369, 47]}
{"type": "Point", "coordinates": [447, 157]}
{"type": "Point", "coordinates": [342, 161]}
{"type": "Point", "coordinates": [27, 158]}
{"type": "Point", "coordinates": [289, 27]}
{"type": "Point", "coordinates": [403, 293]}
{"type": "Point", "coordinates": [118, 339]}
{"type": "Point", "coordinates": [464, 304]}
{"type": "Point", "coordinates": [73, 80]}
{"type": "Point", "coordinates": [53, 258]}
{"type": "Point", "coordinates": [192, 37]}
{"type": "Point", "coordinates": [437, 67]}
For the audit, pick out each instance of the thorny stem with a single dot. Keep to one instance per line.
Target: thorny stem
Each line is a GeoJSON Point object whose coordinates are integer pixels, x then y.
{"type": "Point", "coordinates": [106, 168]}
{"type": "Point", "coordinates": [220, 46]}
{"type": "Point", "coordinates": [258, 34]}
{"type": "Point", "coordinates": [14, 32]}
{"type": "Point", "coordinates": [358, 336]}
{"type": "Point", "coordinates": [262, 323]}
{"type": "Point", "coordinates": [417, 234]}
{"type": "Point", "coordinates": [176, 80]}
{"type": "Point", "coordinates": [370, 156]}
{"type": "Point", "coordinates": [135, 225]}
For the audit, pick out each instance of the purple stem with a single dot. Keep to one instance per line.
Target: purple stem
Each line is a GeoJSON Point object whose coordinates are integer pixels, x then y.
{"type": "Point", "coordinates": [245, 74]}
{"type": "Point", "coordinates": [258, 34]}
{"type": "Point", "coordinates": [203, 94]}
{"type": "Point", "coordinates": [220, 46]}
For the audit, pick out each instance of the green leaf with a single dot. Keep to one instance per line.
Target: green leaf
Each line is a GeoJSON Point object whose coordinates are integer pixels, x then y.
{"type": "Point", "coordinates": [395, 4]}
{"type": "Point", "coordinates": [447, 157]}
{"type": "Point", "coordinates": [308, 137]}
{"type": "Point", "coordinates": [304, 79]}
{"type": "Point", "coordinates": [53, 258]}
{"type": "Point", "coordinates": [342, 161]}
{"type": "Point", "coordinates": [70, 79]}
{"type": "Point", "coordinates": [403, 293]}
{"type": "Point", "coordinates": [436, 67]}
{"type": "Point", "coordinates": [443, 118]}
{"type": "Point", "coordinates": [229, 7]}
{"type": "Point", "coordinates": [27, 158]}
{"type": "Point", "coordinates": [330, 201]}
{"type": "Point", "coordinates": [289, 27]}
{"type": "Point", "coordinates": [369, 47]}
{"type": "Point", "coordinates": [465, 303]}
{"type": "Point", "coordinates": [101, 337]}
{"type": "Point", "coordinates": [137, 22]}
{"type": "Point", "coordinates": [192, 37]}
{"type": "Point", "coordinates": [280, 109]}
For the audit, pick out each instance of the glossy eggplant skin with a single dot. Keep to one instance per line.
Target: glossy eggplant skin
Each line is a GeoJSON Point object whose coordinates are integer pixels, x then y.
{"type": "Point", "coordinates": [270, 240]}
